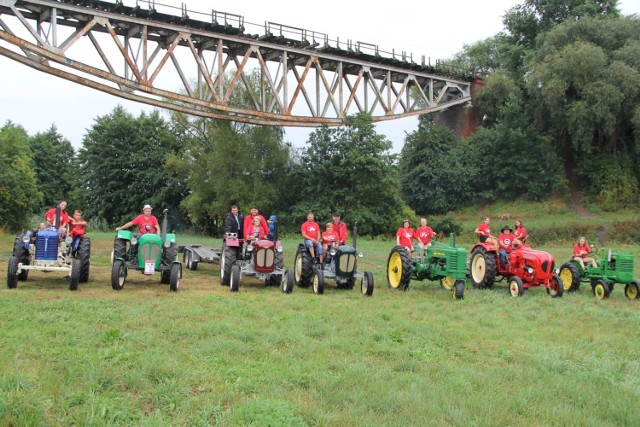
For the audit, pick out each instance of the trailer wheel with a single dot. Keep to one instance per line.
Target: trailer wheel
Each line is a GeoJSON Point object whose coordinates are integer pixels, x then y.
{"type": "Point", "coordinates": [318, 281]}
{"type": "Point", "coordinates": [366, 283]}
{"type": "Point", "coordinates": [288, 280]}
{"type": "Point", "coordinates": [118, 275]}
{"type": "Point", "coordinates": [556, 286]}
{"type": "Point", "coordinates": [187, 258]}
{"type": "Point", "coordinates": [601, 289]}
{"type": "Point", "coordinates": [399, 268]}
{"type": "Point", "coordinates": [76, 269]}
{"type": "Point", "coordinates": [12, 273]}
{"type": "Point", "coordinates": [516, 287]}
{"type": "Point", "coordinates": [234, 280]}
{"type": "Point", "coordinates": [458, 291]}
{"type": "Point", "coordinates": [174, 280]}
{"type": "Point", "coordinates": [483, 268]}
{"type": "Point", "coordinates": [632, 290]}
{"type": "Point", "coordinates": [570, 275]}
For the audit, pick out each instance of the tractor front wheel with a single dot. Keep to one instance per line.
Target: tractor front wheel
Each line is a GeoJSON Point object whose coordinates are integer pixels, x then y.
{"type": "Point", "coordinates": [632, 290]}
{"type": "Point", "coordinates": [516, 287]}
{"type": "Point", "coordinates": [234, 279]}
{"type": "Point", "coordinates": [226, 263]}
{"type": "Point", "coordinates": [76, 270]}
{"type": "Point", "coordinates": [556, 286]}
{"type": "Point", "coordinates": [570, 275]}
{"type": "Point", "coordinates": [601, 289]}
{"type": "Point", "coordinates": [174, 279]}
{"type": "Point", "coordinates": [483, 268]}
{"type": "Point", "coordinates": [366, 283]}
{"type": "Point", "coordinates": [288, 279]}
{"type": "Point", "coordinates": [118, 275]}
{"type": "Point", "coordinates": [458, 291]}
{"type": "Point", "coordinates": [318, 282]}
{"type": "Point", "coordinates": [399, 268]}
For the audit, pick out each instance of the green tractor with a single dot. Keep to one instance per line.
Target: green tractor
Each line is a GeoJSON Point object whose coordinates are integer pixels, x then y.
{"type": "Point", "coordinates": [148, 253]}
{"type": "Point", "coordinates": [441, 262]}
{"type": "Point", "coordinates": [613, 267]}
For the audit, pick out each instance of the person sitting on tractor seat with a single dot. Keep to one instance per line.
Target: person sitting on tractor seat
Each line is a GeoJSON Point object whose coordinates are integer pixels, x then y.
{"type": "Point", "coordinates": [255, 231]}
{"type": "Point", "coordinates": [77, 229]}
{"type": "Point", "coordinates": [519, 234]}
{"type": "Point", "coordinates": [506, 244]}
{"type": "Point", "coordinates": [425, 233]}
{"type": "Point", "coordinates": [146, 223]}
{"type": "Point", "coordinates": [234, 222]}
{"type": "Point", "coordinates": [272, 227]}
{"type": "Point", "coordinates": [311, 234]}
{"type": "Point", "coordinates": [405, 236]}
{"type": "Point", "coordinates": [341, 228]}
{"type": "Point", "coordinates": [581, 252]}
{"type": "Point", "coordinates": [60, 223]}
{"type": "Point", "coordinates": [248, 220]}
{"type": "Point", "coordinates": [330, 237]}
{"type": "Point", "coordinates": [484, 233]}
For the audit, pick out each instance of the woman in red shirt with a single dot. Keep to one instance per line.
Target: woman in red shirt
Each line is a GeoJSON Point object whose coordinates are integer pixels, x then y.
{"type": "Point", "coordinates": [406, 235]}
{"type": "Point", "coordinates": [256, 230]}
{"type": "Point", "coordinates": [581, 252]}
{"type": "Point", "coordinates": [484, 233]}
{"type": "Point", "coordinates": [519, 234]}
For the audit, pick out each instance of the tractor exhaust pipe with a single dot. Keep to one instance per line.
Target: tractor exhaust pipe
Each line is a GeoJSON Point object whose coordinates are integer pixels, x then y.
{"type": "Point", "coordinates": [355, 234]}
{"type": "Point", "coordinates": [165, 222]}
{"type": "Point", "coordinates": [275, 230]}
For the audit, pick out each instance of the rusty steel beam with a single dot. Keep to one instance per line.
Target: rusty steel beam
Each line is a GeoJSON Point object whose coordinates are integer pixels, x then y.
{"type": "Point", "coordinates": [211, 62]}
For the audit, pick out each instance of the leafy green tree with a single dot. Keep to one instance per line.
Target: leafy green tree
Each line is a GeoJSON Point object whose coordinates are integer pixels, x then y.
{"type": "Point", "coordinates": [122, 166]}
{"type": "Point", "coordinates": [53, 158]}
{"type": "Point", "coordinates": [19, 195]}
{"type": "Point", "coordinates": [348, 169]}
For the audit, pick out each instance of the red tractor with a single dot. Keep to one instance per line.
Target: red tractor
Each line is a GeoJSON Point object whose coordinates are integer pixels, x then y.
{"type": "Point", "coordinates": [525, 268]}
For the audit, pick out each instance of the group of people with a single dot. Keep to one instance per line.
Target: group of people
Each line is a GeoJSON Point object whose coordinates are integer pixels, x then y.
{"type": "Point", "coordinates": [252, 227]}
{"type": "Point", "coordinates": [58, 219]}
{"type": "Point", "coordinates": [423, 234]}
{"type": "Point", "coordinates": [335, 234]}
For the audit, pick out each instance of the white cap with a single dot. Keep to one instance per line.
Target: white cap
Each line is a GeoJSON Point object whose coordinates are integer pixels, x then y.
{"type": "Point", "coordinates": [146, 207]}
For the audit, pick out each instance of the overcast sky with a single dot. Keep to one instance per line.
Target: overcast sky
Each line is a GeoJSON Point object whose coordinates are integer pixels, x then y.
{"type": "Point", "coordinates": [36, 100]}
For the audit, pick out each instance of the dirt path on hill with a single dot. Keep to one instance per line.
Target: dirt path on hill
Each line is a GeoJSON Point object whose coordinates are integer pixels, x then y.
{"type": "Point", "coordinates": [577, 203]}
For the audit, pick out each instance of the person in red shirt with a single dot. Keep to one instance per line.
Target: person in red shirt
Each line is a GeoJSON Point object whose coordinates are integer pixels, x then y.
{"type": "Point", "coordinates": [506, 244]}
{"type": "Point", "coordinates": [146, 222]}
{"type": "Point", "coordinates": [255, 231]}
{"type": "Point", "coordinates": [78, 225]}
{"type": "Point", "coordinates": [405, 235]}
{"type": "Point", "coordinates": [311, 234]}
{"type": "Point", "coordinates": [330, 237]}
{"type": "Point", "coordinates": [519, 234]}
{"type": "Point", "coordinates": [425, 233]}
{"type": "Point", "coordinates": [484, 233]}
{"type": "Point", "coordinates": [50, 217]}
{"type": "Point", "coordinates": [248, 220]}
{"type": "Point", "coordinates": [340, 228]}
{"type": "Point", "coordinates": [581, 252]}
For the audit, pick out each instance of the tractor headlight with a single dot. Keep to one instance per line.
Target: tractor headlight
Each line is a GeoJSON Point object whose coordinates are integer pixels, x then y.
{"type": "Point", "coordinates": [134, 241]}
{"type": "Point", "coordinates": [333, 251]}
{"type": "Point", "coordinates": [557, 271]}
{"type": "Point", "coordinates": [249, 248]}
{"type": "Point", "coordinates": [232, 235]}
{"type": "Point", "coordinates": [360, 254]}
{"type": "Point", "coordinates": [26, 239]}
{"type": "Point", "coordinates": [279, 249]}
{"type": "Point", "coordinates": [530, 270]}
{"type": "Point", "coordinates": [166, 244]}
{"type": "Point", "coordinates": [68, 240]}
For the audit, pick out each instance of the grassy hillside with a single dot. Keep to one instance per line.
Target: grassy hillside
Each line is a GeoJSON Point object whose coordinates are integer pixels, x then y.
{"type": "Point", "coordinates": [204, 356]}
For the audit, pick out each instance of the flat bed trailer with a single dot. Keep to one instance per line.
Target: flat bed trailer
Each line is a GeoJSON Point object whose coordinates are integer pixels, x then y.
{"type": "Point", "coordinates": [195, 254]}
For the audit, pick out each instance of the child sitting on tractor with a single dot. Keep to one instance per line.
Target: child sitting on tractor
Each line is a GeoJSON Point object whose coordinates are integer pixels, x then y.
{"type": "Point", "coordinates": [484, 233]}
{"type": "Point", "coordinates": [581, 252]}
{"type": "Point", "coordinates": [77, 229]}
{"type": "Point", "coordinates": [519, 234]}
{"type": "Point", "coordinates": [330, 238]}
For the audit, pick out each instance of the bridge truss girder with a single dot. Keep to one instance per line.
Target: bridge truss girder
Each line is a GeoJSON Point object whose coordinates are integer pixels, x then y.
{"type": "Point", "coordinates": [126, 52]}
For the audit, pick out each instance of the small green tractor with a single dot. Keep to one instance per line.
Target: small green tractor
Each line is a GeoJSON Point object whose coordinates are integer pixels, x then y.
{"type": "Point", "coordinates": [148, 253]}
{"type": "Point", "coordinates": [441, 262]}
{"type": "Point", "coordinates": [613, 267]}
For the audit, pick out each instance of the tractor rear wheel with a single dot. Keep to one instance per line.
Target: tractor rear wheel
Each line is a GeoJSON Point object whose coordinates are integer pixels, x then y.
{"type": "Point", "coordinates": [118, 275]}
{"type": "Point", "coordinates": [516, 287]}
{"type": "Point", "coordinates": [366, 283]}
{"type": "Point", "coordinates": [170, 254]}
{"type": "Point", "coordinates": [318, 281]}
{"type": "Point", "coordinates": [12, 273]}
{"type": "Point", "coordinates": [119, 248]}
{"type": "Point", "coordinates": [276, 279]}
{"type": "Point", "coordinates": [556, 286]}
{"type": "Point", "coordinates": [570, 275]}
{"type": "Point", "coordinates": [76, 269]}
{"type": "Point", "coordinates": [226, 263]}
{"type": "Point", "coordinates": [23, 256]}
{"type": "Point", "coordinates": [288, 279]}
{"type": "Point", "coordinates": [174, 278]}
{"type": "Point", "coordinates": [399, 268]}
{"type": "Point", "coordinates": [84, 255]}
{"type": "Point", "coordinates": [458, 291]}
{"type": "Point", "coordinates": [303, 267]}
{"type": "Point", "coordinates": [632, 290]}
{"type": "Point", "coordinates": [601, 289]}
{"type": "Point", "coordinates": [483, 268]}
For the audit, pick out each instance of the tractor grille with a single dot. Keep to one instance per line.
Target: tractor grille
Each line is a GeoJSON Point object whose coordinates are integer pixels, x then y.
{"type": "Point", "coordinates": [149, 251]}
{"type": "Point", "coordinates": [47, 246]}
{"type": "Point", "coordinates": [347, 263]}
{"type": "Point", "coordinates": [264, 258]}
{"type": "Point", "coordinates": [624, 265]}
{"type": "Point", "coordinates": [453, 259]}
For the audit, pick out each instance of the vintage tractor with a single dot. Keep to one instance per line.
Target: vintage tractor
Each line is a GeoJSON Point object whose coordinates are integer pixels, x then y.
{"type": "Point", "coordinates": [613, 267]}
{"type": "Point", "coordinates": [44, 250]}
{"type": "Point", "coordinates": [147, 253]}
{"type": "Point", "coordinates": [440, 262]}
{"type": "Point", "coordinates": [340, 264]}
{"type": "Point", "coordinates": [525, 268]}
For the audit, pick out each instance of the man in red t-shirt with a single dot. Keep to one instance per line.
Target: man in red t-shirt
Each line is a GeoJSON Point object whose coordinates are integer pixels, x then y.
{"type": "Point", "coordinates": [406, 235]}
{"type": "Point", "coordinates": [340, 228]}
{"type": "Point", "coordinates": [506, 241]}
{"type": "Point", "coordinates": [425, 233]}
{"type": "Point", "coordinates": [311, 234]}
{"type": "Point", "coordinates": [50, 217]}
{"type": "Point", "coordinates": [248, 220]}
{"type": "Point", "coordinates": [146, 222]}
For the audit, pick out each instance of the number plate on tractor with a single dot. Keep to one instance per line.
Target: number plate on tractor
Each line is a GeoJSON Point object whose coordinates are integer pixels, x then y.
{"type": "Point", "coordinates": [149, 267]}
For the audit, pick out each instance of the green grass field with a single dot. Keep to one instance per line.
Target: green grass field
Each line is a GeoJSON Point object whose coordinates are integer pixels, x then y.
{"type": "Point", "coordinates": [204, 356]}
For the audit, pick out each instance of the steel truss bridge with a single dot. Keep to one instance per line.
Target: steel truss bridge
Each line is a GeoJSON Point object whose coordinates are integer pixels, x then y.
{"type": "Point", "coordinates": [165, 57]}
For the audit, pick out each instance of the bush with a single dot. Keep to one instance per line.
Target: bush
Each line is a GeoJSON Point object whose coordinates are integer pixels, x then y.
{"type": "Point", "coordinates": [447, 225]}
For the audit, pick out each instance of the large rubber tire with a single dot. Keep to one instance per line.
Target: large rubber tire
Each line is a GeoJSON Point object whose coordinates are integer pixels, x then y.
{"type": "Point", "coordinates": [483, 268]}
{"type": "Point", "coordinates": [448, 283]}
{"type": "Point", "coordinates": [188, 261]}
{"type": "Point", "coordinates": [601, 289]}
{"type": "Point", "coordinates": [174, 277]}
{"type": "Point", "coordinates": [570, 275]}
{"type": "Point", "coordinates": [227, 260]}
{"type": "Point", "coordinates": [84, 255]}
{"type": "Point", "coordinates": [276, 279]}
{"type": "Point", "coordinates": [118, 275]}
{"type": "Point", "coordinates": [288, 281]}
{"type": "Point", "coordinates": [170, 254]}
{"type": "Point", "coordinates": [632, 290]}
{"type": "Point", "coordinates": [556, 286]}
{"type": "Point", "coordinates": [399, 268]}
{"type": "Point", "coordinates": [318, 282]}
{"type": "Point", "coordinates": [303, 267]}
{"type": "Point", "coordinates": [458, 289]}
{"type": "Point", "coordinates": [366, 283]}
{"type": "Point", "coordinates": [119, 248]}
{"type": "Point", "coordinates": [76, 270]}
{"type": "Point", "coordinates": [12, 273]}
{"type": "Point", "coordinates": [516, 287]}
{"type": "Point", "coordinates": [23, 256]}
{"type": "Point", "coordinates": [234, 279]}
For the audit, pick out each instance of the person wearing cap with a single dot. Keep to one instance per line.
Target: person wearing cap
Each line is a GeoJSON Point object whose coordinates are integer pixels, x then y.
{"type": "Point", "coordinates": [405, 235]}
{"type": "Point", "coordinates": [506, 244]}
{"type": "Point", "coordinates": [272, 226]}
{"type": "Point", "coordinates": [145, 222]}
{"type": "Point", "coordinates": [340, 228]}
{"type": "Point", "coordinates": [248, 220]}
